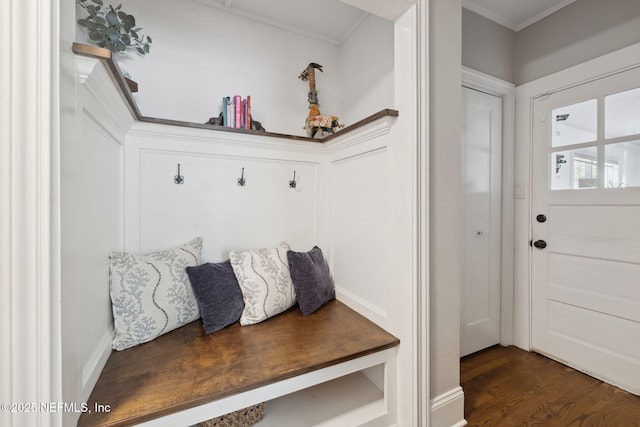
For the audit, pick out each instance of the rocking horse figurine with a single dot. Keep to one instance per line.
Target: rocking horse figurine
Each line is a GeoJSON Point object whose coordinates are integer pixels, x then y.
{"type": "Point", "coordinates": [316, 125]}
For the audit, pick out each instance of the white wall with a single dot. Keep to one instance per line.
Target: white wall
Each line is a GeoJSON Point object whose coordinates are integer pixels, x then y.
{"type": "Point", "coordinates": [209, 203]}
{"type": "Point", "coordinates": [366, 70]}
{"type": "Point", "coordinates": [200, 54]}
{"type": "Point", "coordinates": [91, 221]}
{"type": "Point", "coordinates": [445, 201]}
{"type": "Point", "coordinates": [582, 31]}
{"type": "Point", "coordinates": [488, 47]}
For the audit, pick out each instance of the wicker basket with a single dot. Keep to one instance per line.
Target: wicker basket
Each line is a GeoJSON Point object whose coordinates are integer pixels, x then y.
{"type": "Point", "coordinates": [242, 418]}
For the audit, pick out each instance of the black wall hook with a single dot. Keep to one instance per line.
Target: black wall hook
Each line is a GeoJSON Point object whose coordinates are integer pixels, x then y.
{"type": "Point", "coordinates": [241, 181]}
{"type": "Point", "coordinates": [178, 179]}
{"type": "Point", "coordinates": [293, 183]}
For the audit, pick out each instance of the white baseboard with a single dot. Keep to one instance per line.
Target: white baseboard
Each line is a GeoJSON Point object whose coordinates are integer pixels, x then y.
{"type": "Point", "coordinates": [447, 409]}
{"type": "Point", "coordinates": [92, 369]}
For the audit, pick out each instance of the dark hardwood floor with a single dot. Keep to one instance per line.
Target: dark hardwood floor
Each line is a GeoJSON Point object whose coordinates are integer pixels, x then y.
{"type": "Point", "coordinates": [507, 386]}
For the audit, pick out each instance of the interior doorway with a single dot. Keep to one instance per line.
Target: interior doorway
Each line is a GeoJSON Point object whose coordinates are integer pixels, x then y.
{"type": "Point", "coordinates": [481, 201]}
{"type": "Point", "coordinates": [488, 201]}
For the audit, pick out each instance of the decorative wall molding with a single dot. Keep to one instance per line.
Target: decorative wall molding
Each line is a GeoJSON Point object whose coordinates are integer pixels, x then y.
{"type": "Point", "coordinates": [84, 67]}
{"type": "Point", "coordinates": [369, 132]}
{"type": "Point", "coordinates": [447, 407]}
{"type": "Point", "coordinates": [95, 363]}
{"type": "Point", "coordinates": [486, 83]}
{"type": "Point", "coordinates": [29, 295]}
{"type": "Point", "coordinates": [372, 312]}
{"type": "Point", "coordinates": [104, 106]}
{"type": "Point", "coordinates": [165, 135]}
{"type": "Point", "coordinates": [422, 292]}
{"type": "Point", "coordinates": [228, 7]}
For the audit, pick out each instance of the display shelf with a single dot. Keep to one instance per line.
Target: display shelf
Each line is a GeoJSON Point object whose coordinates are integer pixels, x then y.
{"type": "Point", "coordinates": [105, 55]}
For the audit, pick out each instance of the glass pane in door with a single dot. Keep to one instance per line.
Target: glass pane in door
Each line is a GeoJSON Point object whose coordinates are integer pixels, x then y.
{"type": "Point", "coordinates": [622, 114]}
{"type": "Point", "coordinates": [574, 169]}
{"type": "Point", "coordinates": [622, 164]}
{"type": "Point", "coordinates": [574, 124]}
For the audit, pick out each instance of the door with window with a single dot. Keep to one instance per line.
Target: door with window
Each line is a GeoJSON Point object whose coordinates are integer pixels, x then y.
{"type": "Point", "coordinates": [585, 230]}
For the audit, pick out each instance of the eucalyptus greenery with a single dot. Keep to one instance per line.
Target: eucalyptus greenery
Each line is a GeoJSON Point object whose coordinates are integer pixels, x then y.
{"type": "Point", "coordinates": [112, 28]}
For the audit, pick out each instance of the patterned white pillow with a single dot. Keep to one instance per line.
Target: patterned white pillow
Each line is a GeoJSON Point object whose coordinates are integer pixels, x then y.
{"type": "Point", "coordinates": [151, 294]}
{"type": "Point", "coordinates": [265, 282]}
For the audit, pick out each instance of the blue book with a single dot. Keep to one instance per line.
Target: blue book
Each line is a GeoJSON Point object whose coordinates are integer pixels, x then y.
{"type": "Point", "coordinates": [224, 111]}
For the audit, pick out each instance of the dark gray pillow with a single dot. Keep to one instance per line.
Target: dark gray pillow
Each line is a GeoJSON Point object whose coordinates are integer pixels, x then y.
{"type": "Point", "coordinates": [217, 293]}
{"type": "Point", "coordinates": [311, 279]}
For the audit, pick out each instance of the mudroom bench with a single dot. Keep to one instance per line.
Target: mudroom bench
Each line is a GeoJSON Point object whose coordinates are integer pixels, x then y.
{"type": "Point", "coordinates": [186, 376]}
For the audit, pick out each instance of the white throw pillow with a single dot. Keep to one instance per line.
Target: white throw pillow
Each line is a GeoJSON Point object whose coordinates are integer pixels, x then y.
{"type": "Point", "coordinates": [151, 294]}
{"type": "Point", "coordinates": [265, 282]}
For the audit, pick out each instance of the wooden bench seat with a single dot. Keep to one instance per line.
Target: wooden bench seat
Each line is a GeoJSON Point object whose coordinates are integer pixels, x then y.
{"type": "Point", "coordinates": [187, 368]}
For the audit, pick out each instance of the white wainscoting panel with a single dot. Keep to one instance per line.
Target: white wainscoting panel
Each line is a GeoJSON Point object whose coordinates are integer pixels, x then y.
{"type": "Point", "coordinates": [211, 204]}
{"type": "Point", "coordinates": [361, 223]}
{"type": "Point", "coordinates": [91, 217]}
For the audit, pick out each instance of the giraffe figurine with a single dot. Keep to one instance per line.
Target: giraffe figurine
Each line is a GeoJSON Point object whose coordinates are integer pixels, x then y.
{"type": "Point", "coordinates": [316, 125]}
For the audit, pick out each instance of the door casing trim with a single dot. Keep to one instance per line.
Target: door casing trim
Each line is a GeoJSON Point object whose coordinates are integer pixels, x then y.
{"type": "Point", "coordinates": [507, 91]}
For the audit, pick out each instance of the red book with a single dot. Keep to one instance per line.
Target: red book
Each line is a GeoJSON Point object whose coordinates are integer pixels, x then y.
{"type": "Point", "coordinates": [238, 112]}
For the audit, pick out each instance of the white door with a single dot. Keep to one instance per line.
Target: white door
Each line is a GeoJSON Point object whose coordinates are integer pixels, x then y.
{"type": "Point", "coordinates": [482, 174]}
{"type": "Point", "coordinates": [585, 258]}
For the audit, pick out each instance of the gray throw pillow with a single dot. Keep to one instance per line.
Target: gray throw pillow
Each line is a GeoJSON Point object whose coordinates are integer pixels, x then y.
{"type": "Point", "coordinates": [311, 279]}
{"type": "Point", "coordinates": [218, 294]}
{"type": "Point", "coordinates": [150, 294]}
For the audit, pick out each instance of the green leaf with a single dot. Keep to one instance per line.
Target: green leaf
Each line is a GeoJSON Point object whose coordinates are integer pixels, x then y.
{"type": "Point", "coordinates": [84, 23]}
{"type": "Point", "coordinates": [91, 26]}
{"type": "Point", "coordinates": [95, 36]}
{"type": "Point", "coordinates": [112, 18]}
{"type": "Point", "coordinates": [110, 27]}
{"type": "Point", "coordinates": [128, 22]}
{"type": "Point", "coordinates": [121, 47]}
{"type": "Point", "coordinates": [113, 34]}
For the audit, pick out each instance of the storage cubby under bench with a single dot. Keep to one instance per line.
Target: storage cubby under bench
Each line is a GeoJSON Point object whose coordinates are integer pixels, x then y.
{"type": "Point", "coordinates": [233, 368]}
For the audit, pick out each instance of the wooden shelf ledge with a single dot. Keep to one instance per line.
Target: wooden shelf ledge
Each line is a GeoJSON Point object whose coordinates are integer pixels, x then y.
{"type": "Point", "coordinates": [105, 55]}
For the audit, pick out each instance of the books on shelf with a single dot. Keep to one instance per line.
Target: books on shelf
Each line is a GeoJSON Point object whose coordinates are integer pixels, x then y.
{"type": "Point", "coordinates": [236, 112]}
